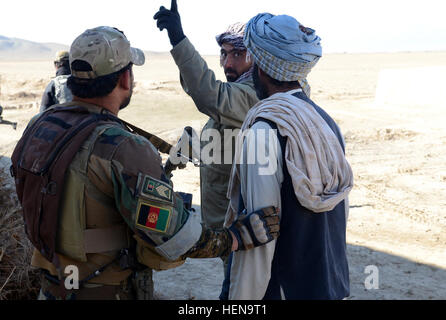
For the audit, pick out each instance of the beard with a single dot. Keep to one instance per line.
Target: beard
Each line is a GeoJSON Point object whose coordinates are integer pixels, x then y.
{"type": "Point", "coordinates": [260, 88]}
{"type": "Point", "coordinates": [126, 101]}
{"type": "Point", "coordinates": [233, 76]}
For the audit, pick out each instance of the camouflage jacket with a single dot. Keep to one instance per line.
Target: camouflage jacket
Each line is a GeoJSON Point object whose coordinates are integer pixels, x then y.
{"type": "Point", "coordinates": [226, 103]}
{"type": "Point", "coordinates": [116, 180]}
{"type": "Point", "coordinates": [57, 91]}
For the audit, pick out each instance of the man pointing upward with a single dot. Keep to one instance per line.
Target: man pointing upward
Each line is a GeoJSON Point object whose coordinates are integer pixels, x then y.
{"type": "Point", "coordinates": [226, 103]}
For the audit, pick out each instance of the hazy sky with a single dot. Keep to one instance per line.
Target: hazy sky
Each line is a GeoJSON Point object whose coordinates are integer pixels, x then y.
{"type": "Point", "coordinates": [343, 25]}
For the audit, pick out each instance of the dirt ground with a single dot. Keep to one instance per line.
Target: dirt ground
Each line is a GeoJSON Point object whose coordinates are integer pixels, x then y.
{"type": "Point", "coordinates": [396, 146]}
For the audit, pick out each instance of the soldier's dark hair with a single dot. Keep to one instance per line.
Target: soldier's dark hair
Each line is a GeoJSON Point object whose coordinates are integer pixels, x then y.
{"type": "Point", "coordinates": [93, 88]}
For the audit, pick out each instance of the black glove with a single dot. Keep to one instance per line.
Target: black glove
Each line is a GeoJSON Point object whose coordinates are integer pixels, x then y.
{"type": "Point", "coordinates": [170, 20]}
{"type": "Point", "coordinates": [256, 228]}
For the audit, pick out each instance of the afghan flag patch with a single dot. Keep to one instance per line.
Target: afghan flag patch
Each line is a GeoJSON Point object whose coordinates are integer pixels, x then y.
{"type": "Point", "coordinates": [157, 189]}
{"type": "Point", "coordinates": [153, 217]}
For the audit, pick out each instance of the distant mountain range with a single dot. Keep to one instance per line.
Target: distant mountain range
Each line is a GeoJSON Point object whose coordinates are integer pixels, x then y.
{"type": "Point", "coordinates": [19, 49]}
{"type": "Point", "coordinates": [14, 49]}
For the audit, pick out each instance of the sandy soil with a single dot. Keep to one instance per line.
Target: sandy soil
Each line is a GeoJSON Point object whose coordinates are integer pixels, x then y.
{"type": "Point", "coordinates": [397, 149]}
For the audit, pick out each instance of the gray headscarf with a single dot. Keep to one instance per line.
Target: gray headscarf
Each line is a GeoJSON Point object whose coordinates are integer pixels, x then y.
{"type": "Point", "coordinates": [283, 48]}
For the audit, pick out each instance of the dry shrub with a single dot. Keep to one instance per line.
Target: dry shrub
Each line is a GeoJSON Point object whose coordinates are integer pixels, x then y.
{"type": "Point", "coordinates": [18, 280]}
{"type": "Point", "coordinates": [23, 94]}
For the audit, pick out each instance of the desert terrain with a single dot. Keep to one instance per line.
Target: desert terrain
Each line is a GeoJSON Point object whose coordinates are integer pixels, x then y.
{"type": "Point", "coordinates": [390, 110]}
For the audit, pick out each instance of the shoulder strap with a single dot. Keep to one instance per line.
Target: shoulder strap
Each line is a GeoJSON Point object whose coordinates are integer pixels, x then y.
{"type": "Point", "coordinates": [159, 143]}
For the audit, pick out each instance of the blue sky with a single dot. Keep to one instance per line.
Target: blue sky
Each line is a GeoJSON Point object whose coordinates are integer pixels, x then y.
{"type": "Point", "coordinates": [343, 25]}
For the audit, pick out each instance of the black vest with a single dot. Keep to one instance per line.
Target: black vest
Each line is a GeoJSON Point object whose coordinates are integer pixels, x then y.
{"type": "Point", "coordinates": [310, 260]}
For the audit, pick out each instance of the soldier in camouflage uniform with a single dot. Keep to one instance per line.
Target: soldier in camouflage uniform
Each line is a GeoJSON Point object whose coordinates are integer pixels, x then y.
{"type": "Point", "coordinates": [116, 197]}
{"type": "Point", "coordinates": [57, 91]}
{"type": "Point", "coordinates": [226, 103]}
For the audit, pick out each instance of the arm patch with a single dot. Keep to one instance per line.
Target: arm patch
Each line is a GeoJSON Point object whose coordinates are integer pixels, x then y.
{"type": "Point", "coordinates": [159, 211]}
{"type": "Point", "coordinates": [153, 217]}
{"type": "Point", "coordinates": [156, 189]}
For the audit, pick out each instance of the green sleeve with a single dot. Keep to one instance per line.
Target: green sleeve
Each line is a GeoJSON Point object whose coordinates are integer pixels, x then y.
{"type": "Point", "coordinates": [138, 186]}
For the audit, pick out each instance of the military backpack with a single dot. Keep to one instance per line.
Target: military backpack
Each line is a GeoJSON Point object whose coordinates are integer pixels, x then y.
{"type": "Point", "coordinates": [39, 163]}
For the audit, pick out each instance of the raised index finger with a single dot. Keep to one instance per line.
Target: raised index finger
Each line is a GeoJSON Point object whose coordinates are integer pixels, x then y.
{"type": "Point", "coordinates": [173, 6]}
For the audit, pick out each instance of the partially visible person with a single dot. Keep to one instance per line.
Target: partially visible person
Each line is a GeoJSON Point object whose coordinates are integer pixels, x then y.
{"type": "Point", "coordinates": [226, 103]}
{"type": "Point", "coordinates": [57, 91]}
{"type": "Point", "coordinates": [306, 174]}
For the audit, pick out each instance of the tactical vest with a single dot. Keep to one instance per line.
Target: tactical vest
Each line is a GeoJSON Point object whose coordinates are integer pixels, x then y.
{"type": "Point", "coordinates": [96, 224]}
{"type": "Point", "coordinates": [62, 94]}
{"type": "Point", "coordinates": [88, 219]}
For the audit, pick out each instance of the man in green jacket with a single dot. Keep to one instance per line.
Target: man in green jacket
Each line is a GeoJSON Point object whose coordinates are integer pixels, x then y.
{"type": "Point", "coordinates": [226, 103]}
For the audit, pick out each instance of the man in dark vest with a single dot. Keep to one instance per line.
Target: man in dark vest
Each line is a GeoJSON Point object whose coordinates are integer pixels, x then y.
{"type": "Point", "coordinates": [300, 167]}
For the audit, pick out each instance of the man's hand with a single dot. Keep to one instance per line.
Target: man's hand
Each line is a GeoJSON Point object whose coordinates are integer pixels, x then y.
{"type": "Point", "coordinates": [256, 228]}
{"type": "Point", "coordinates": [170, 20]}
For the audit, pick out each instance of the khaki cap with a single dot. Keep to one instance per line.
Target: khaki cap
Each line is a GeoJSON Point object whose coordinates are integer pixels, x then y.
{"type": "Point", "coordinates": [61, 55]}
{"type": "Point", "coordinates": [106, 49]}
